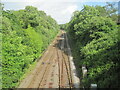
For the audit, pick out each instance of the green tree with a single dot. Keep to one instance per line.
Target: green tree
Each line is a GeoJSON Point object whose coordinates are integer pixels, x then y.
{"type": "Point", "coordinates": [24, 37]}
{"type": "Point", "coordinates": [94, 40]}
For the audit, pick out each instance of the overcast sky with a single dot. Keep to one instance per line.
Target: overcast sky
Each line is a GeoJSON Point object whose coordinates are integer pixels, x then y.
{"type": "Point", "coordinates": [60, 10]}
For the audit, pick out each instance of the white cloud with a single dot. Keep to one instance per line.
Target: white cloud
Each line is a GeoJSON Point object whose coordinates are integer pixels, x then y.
{"type": "Point", "coordinates": [70, 9]}
{"type": "Point", "coordinates": [60, 10]}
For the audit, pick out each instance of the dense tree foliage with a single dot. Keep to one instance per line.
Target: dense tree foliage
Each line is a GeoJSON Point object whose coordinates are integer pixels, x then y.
{"type": "Point", "coordinates": [25, 35]}
{"type": "Point", "coordinates": [63, 26]}
{"type": "Point", "coordinates": [94, 39]}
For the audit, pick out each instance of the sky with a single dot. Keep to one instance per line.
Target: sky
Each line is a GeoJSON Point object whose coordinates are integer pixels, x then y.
{"type": "Point", "coordinates": [60, 10]}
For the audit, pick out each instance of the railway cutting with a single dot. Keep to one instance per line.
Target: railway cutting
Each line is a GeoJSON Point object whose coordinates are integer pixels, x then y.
{"type": "Point", "coordinates": [54, 69]}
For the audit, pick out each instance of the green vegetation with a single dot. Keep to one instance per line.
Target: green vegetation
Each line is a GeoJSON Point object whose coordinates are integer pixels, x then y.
{"type": "Point", "coordinates": [93, 33]}
{"type": "Point", "coordinates": [25, 35]}
{"type": "Point", "coordinates": [63, 26]}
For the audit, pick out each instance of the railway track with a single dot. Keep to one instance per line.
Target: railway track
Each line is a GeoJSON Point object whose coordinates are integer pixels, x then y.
{"type": "Point", "coordinates": [29, 81]}
{"type": "Point", "coordinates": [47, 77]}
{"type": "Point", "coordinates": [53, 69]}
{"type": "Point", "coordinates": [68, 64]}
{"type": "Point", "coordinates": [65, 69]}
